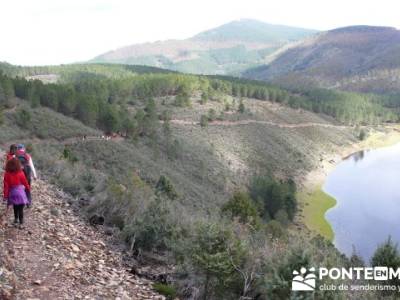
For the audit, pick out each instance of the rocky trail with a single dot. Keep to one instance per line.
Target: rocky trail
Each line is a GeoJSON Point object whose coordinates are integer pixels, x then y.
{"type": "Point", "coordinates": [60, 256]}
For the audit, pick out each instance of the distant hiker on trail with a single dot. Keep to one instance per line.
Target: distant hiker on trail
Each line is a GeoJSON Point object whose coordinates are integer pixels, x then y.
{"type": "Point", "coordinates": [15, 190]}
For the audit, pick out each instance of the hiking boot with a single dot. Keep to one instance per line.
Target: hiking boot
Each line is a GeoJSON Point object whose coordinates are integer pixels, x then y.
{"type": "Point", "coordinates": [15, 223]}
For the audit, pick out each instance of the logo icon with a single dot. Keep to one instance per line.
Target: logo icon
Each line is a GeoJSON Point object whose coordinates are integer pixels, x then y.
{"type": "Point", "coordinates": [381, 273]}
{"type": "Point", "coordinates": [303, 280]}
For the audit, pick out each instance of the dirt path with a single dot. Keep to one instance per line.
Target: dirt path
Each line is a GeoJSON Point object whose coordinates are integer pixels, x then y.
{"type": "Point", "coordinates": [71, 140]}
{"type": "Point", "coordinates": [59, 256]}
{"type": "Point", "coordinates": [270, 123]}
{"type": "Point", "coordinates": [182, 123]}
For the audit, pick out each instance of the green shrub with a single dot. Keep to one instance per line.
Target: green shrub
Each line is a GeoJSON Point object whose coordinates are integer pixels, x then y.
{"type": "Point", "coordinates": [282, 217]}
{"type": "Point", "coordinates": [243, 207]}
{"type": "Point", "coordinates": [212, 115]}
{"type": "Point", "coordinates": [210, 253]}
{"type": "Point", "coordinates": [182, 100]}
{"type": "Point", "coordinates": [69, 155]}
{"type": "Point", "coordinates": [174, 149]}
{"type": "Point", "coordinates": [165, 289]}
{"type": "Point", "coordinates": [275, 230]}
{"type": "Point", "coordinates": [23, 118]}
{"type": "Point", "coordinates": [116, 220]}
{"type": "Point", "coordinates": [164, 185]}
{"type": "Point", "coordinates": [152, 229]}
{"type": "Point", "coordinates": [362, 135]}
{"type": "Point", "coordinates": [204, 98]}
{"type": "Point", "coordinates": [204, 121]}
{"type": "Point", "coordinates": [279, 274]}
{"type": "Point", "coordinates": [272, 197]}
{"type": "Point", "coordinates": [30, 148]}
{"type": "Point", "coordinates": [387, 255]}
{"type": "Point", "coordinates": [241, 107]}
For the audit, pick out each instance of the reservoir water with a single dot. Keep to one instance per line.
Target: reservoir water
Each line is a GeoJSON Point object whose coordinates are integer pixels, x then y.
{"type": "Point", "coordinates": [366, 186]}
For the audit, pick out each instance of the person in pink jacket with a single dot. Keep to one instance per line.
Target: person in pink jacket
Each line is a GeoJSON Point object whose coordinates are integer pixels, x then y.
{"type": "Point", "coordinates": [15, 190]}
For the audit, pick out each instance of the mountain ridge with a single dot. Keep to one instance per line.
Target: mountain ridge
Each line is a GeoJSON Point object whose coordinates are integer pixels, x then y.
{"type": "Point", "coordinates": [353, 58]}
{"type": "Point", "coordinates": [221, 50]}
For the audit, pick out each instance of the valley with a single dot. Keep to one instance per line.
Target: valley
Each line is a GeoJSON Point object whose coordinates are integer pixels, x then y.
{"type": "Point", "coordinates": [195, 159]}
{"type": "Point", "coordinates": [210, 178]}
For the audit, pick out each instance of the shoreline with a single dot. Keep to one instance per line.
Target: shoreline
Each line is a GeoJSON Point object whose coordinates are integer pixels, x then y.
{"type": "Point", "coordinates": [313, 201]}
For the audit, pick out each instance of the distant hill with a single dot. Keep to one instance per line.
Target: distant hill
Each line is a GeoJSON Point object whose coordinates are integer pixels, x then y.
{"type": "Point", "coordinates": [357, 58]}
{"type": "Point", "coordinates": [253, 31]}
{"type": "Point", "coordinates": [227, 49]}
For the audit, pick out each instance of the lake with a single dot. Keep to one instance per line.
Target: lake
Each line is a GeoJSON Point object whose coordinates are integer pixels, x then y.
{"type": "Point", "coordinates": [366, 186]}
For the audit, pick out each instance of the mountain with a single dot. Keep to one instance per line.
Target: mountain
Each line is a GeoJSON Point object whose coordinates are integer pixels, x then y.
{"type": "Point", "coordinates": [253, 31]}
{"type": "Point", "coordinates": [227, 49]}
{"type": "Point", "coordinates": [357, 58]}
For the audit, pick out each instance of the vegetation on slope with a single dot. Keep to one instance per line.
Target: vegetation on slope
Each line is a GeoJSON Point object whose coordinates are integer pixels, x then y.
{"type": "Point", "coordinates": [97, 95]}
{"type": "Point", "coordinates": [207, 235]}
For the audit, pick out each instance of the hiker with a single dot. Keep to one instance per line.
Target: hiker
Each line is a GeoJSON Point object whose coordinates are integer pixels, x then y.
{"type": "Point", "coordinates": [11, 154]}
{"type": "Point", "coordinates": [26, 162]}
{"type": "Point", "coordinates": [28, 168]}
{"type": "Point", "coordinates": [15, 190]}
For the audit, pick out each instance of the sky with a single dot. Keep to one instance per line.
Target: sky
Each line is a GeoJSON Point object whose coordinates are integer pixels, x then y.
{"type": "Point", "coordinates": [43, 32]}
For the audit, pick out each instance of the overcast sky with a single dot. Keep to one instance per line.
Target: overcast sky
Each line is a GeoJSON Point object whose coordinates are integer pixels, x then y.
{"type": "Point", "coordinates": [37, 32]}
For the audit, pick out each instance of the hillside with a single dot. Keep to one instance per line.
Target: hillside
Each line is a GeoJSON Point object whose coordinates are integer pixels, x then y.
{"type": "Point", "coordinates": [62, 257]}
{"type": "Point", "coordinates": [358, 58]}
{"type": "Point", "coordinates": [119, 179]}
{"type": "Point", "coordinates": [220, 158]}
{"type": "Point", "coordinates": [227, 49]}
{"type": "Point", "coordinates": [185, 168]}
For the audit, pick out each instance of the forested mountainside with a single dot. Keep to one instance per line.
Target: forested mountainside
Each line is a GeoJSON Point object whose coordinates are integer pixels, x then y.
{"type": "Point", "coordinates": [199, 172]}
{"type": "Point", "coordinates": [357, 58]}
{"type": "Point", "coordinates": [227, 49]}
{"type": "Point", "coordinates": [120, 83]}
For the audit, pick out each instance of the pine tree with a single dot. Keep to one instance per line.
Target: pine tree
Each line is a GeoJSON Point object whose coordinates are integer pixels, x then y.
{"type": "Point", "coordinates": [241, 107]}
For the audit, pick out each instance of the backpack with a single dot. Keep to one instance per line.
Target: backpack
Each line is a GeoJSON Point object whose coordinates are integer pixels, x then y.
{"type": "Point", "coordinates": [24, 160]}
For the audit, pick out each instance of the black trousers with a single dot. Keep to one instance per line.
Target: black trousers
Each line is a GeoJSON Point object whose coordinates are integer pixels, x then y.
{"type": "Point", "coordinates": [28, 176]}
{"type": "Point", "coordinates": [19, 213]}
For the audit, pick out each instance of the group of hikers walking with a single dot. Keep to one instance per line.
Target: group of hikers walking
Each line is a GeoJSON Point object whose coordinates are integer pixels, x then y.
{"type": "Point", "coordinates": [19, 170]}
